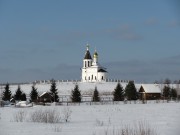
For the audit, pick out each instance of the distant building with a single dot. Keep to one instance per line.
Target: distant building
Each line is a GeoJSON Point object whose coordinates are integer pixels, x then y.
{"type": "Point", "coordinates": [149, 92]}
{"type": "Point", "coordinates": [92, 71]}
{"type": "Point", "coordinates": [45, 97]}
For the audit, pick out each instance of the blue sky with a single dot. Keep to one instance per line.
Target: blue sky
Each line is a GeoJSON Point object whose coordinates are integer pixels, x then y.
{"type": "Point", "coordinates": [42, 39]}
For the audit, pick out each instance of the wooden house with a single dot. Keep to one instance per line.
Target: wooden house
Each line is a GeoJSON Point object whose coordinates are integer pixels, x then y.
{"type": "Point", "coordinates": [149, 92]}
{"type": "Point", "coordinates": [45, 97]}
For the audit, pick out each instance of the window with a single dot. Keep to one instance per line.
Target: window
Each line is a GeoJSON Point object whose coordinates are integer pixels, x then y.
{"type": "Point", "coordinates": [102, 78]}
{"type": "Point", "coordinates": [85, 77]}
{"type": "Point", "coordinates": [85, 63]}
{"type": "Point", "coordinates": [95, 77]}
{"type": "Point", "coordinates": [88, 63]}
{"type": "Point", "coordinates": [89, 77]}
{"type": "Point", "coordinates": [92, 77]}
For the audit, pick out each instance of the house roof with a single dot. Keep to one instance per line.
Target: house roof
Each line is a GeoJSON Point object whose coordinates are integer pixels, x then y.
{"type": "Point", "coordinates": [151, 88]}
{"type": "Point", "coordinates": [102, 70]}
{"type": "Point", "coordinates": [45, 93]}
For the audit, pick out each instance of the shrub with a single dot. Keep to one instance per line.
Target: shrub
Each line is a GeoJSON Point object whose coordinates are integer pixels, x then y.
{"type": "Point", "coordinates": [20, 116]}
{"type": "Point", "coordinates": [99, 122]}
{"type": "Point", "coordinates": [66, 114]}
{"type": "Point", "coordinates": [141, 128]}
{"type": "Point", "coordinates": [45, 116]}
{"type": "Point", "coordinates": [57, 128]}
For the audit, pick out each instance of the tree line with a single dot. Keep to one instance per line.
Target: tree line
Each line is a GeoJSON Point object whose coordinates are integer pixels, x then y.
{"type": "Point", "coordinates": [119, 94]}
{"type": "Point", "coordinates": [168, 92]}
{"type": "Point", "coordinates": [34, 94]}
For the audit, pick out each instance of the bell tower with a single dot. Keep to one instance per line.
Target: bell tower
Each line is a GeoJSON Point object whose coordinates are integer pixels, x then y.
{"type": "Point", "coordinates": [87, 62]}
{"type": "Point", "coordinates": [95, 58]}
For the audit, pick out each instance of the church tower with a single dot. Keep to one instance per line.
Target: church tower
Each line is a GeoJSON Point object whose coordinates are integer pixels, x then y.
{"type": "Point", "coordinates": [91, 70]}
{"type": "Point", "coordinates": [87, 62]}
{"type": "Point", "coordinates": [95, 59]}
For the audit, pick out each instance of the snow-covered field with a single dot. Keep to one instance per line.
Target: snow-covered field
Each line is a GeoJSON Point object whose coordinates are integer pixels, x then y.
{"type": "Point", "coordinates": [164, 118]}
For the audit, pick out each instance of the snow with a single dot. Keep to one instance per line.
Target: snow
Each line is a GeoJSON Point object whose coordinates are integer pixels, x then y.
{"type": "Point", "coordinates": [95, 119]}
{"type": "Point", "coordinates": [23, 104]}
{"type": "Point", "coordinates": [150, 88]}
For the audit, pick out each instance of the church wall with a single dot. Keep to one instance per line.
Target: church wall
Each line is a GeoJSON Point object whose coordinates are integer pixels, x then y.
{"type": "Point", "coordinates": [83, 75]}
{"type": "Point", "coordinates": [91, 74]}
{"type": "Point", "coordinates": [102, 76]}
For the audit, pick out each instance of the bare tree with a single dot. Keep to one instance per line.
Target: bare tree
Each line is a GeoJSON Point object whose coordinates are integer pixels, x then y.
{"type": "Point", "coordinates": [67, 113]}
{"type": "Point", "coordinates": [167, 81]}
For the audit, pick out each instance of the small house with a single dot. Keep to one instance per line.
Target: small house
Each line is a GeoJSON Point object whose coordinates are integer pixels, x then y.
{"type": "Point", "coordinates": [149, 92]}
{"type": "Point", "coordinates": [45, 97]}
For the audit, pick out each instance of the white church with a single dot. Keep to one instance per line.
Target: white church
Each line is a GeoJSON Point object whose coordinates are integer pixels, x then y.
{"type": "Point", "coordinates": [92, 71]}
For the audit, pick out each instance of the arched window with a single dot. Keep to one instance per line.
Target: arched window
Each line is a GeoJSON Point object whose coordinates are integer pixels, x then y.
{"type": "Point", "coordinates": [92, 77]}
{"type": "Point", "coordinates": [88, 63]}
{"type": "Point", "coordinates": [85, 77]}
{"type": "Point", "coordinates": [95, 77]}
{"type": "Point", "coordinates": [102, 78]}
{"type": "Point", "coordinates": [85, 63]}
{"type": "Point", "coordinates": [89, 77]}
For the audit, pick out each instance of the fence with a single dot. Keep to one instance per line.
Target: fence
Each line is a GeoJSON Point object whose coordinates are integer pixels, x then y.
{"type": "Point", "coordinates": [69, 103]}
{"type": "Point", "coordinates": [76, 81]}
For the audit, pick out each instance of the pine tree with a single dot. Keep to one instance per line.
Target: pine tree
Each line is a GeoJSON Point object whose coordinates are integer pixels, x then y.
{"type": "Point", "coordinates": [33, 94]}
{"type": "Point", "coordinates": [6, 93]}
{"type": "Point", "coordinates": [54, 91]}
{"type": "Point", "coordinates": [173, 93]}
{"type": "Point", "coordinates": [96, 97]}
{"type": "Point", "coordinates": [130, 91]}
{"type": "Point", "coordinates": [76, 94]}
{"type": "Point", "coordinates": [166, 91]}
{"type": "Point", "coordinates": [23, 97]}
{"type": "Point", "coordinates": [118, 93]}
{"type": "Point", "coordinates": [18, 93]}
